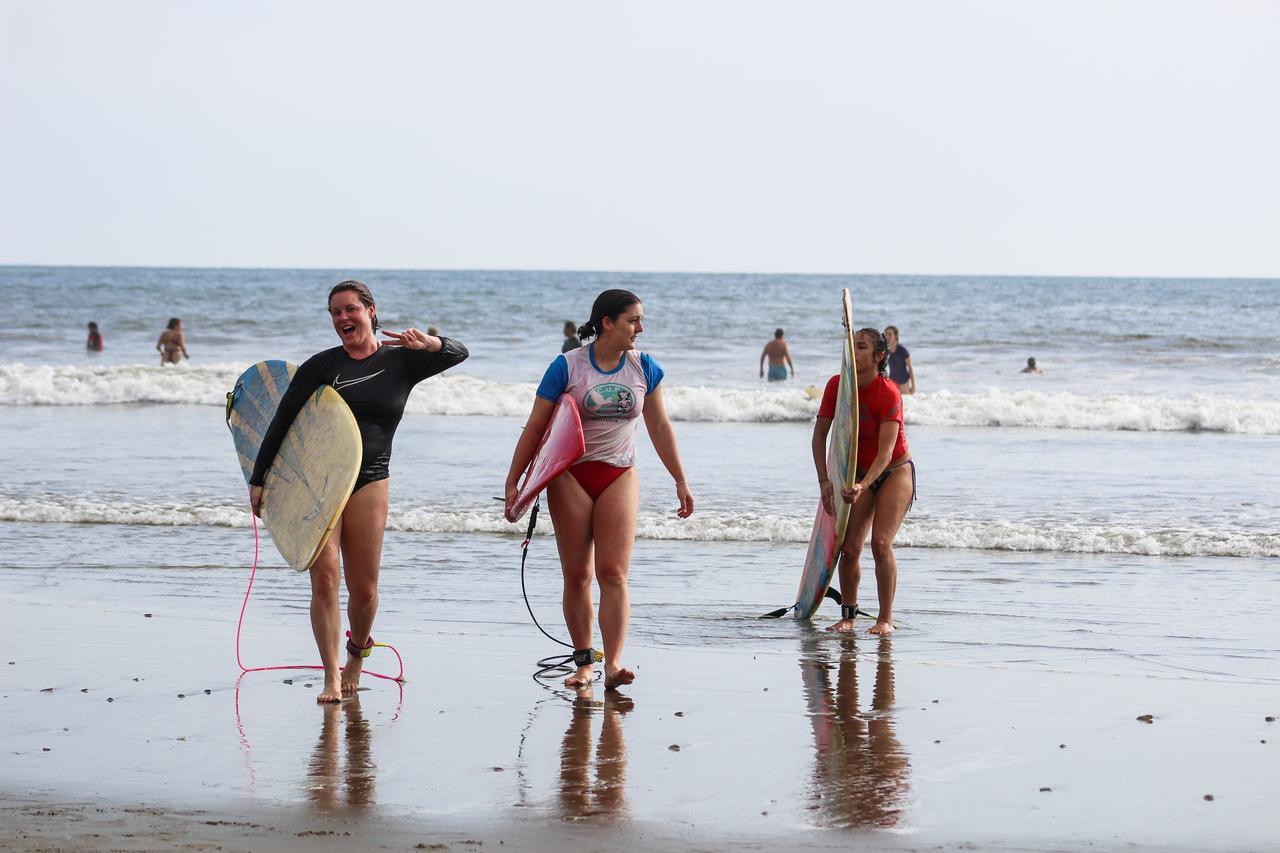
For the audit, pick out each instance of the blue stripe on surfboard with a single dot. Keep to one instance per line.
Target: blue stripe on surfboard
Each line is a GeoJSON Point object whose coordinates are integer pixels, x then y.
{"type": "Point", "coordinates": [257, 398]}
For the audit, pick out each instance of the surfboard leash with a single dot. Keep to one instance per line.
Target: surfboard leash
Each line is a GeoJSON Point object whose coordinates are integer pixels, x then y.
{"type": "Point", "coordinates": [831, 593]}
{"type": "Point", "coordinates": [551, 665]}
{"type": "Point", "coordinates": [398, 678]}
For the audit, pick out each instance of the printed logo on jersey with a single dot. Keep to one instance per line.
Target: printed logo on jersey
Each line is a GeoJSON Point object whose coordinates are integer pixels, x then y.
{"type": "Point", "coordinates": [339, 383]}
{"type": "Point", "coordinates": [609, 400]}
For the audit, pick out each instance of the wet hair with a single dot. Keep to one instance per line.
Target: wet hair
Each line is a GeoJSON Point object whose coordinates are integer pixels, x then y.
{"type": "Point", "coordinates": [1031, 362]}
{"type": "Point", "coordinates": [360, 289]}
{"type": "Point", "coordinates": [879, 346]}
{"type": "Point", "coordinates": [609, 304]}
{"type": "Point", "coordinates": [777, 333]}
{"type": "Point", "coordinates": [894, 329]}
{"type": "Point", "coordinates": [175, 322]}
{"type": "Point", "coordinates": [570, 328]}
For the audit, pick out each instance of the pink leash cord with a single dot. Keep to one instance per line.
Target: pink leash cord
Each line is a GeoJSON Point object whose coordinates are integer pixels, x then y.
{"type": "Point", "coordinates": [243, 669]}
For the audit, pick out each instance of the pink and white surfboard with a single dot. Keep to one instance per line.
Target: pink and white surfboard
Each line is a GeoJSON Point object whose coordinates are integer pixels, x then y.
{"type": "Point", "coordinates": [562, 445]}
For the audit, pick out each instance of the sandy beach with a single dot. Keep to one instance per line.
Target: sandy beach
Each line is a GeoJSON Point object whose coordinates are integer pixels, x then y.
{"type": "Point", "coordinates": [125, 725]}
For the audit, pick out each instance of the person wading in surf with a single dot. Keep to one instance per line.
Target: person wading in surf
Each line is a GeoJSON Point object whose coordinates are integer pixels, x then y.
{"type": "Point", "coordinates": [886, 484]}
{"type": "Point", "coordinates": [593, 504]}
{"type": "Point", "coordinates": [374, 378]}
{"type": "Point", "coordinates": [172, 344]}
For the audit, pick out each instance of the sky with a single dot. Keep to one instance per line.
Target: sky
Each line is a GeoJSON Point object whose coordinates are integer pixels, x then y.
{"type": "Point", "coordinates": [1116, 137]}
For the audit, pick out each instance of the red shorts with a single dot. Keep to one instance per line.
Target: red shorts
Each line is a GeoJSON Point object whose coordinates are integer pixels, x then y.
{"type": "Point", "coordinates": [595, 477]}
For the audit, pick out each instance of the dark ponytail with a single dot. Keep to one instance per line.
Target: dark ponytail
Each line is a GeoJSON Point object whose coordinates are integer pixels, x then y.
{"type": "Point", "coordinates": [609, 304]}
{"type": "Point", "coordinates": [879, 346]}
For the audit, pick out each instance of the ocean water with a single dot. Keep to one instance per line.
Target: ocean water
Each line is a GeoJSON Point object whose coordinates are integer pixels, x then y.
{"type": "Point", "coordinates": [1154, 431]}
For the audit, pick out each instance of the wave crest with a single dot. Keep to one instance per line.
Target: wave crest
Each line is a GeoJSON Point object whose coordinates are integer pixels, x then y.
{"type": "Point", "coordinates": [460, 394]}
{"type": "Point", "coordinates": [918, 532]}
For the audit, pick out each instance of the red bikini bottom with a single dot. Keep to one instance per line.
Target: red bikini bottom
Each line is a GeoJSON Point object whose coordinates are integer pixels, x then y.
{"type": "Point", "coordinates": [595, 477]}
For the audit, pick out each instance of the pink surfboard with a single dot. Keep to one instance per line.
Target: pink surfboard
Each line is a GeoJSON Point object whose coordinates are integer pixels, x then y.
{"type": "Point", "coordinates": [562, 445]}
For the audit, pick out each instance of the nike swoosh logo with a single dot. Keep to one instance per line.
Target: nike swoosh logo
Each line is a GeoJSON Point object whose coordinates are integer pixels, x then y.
{"type": "Point", "coordinates": [338, 384]}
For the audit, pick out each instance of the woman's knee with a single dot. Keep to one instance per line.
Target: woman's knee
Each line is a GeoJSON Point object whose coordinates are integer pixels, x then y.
{"type": "Point", "coordinates": [324, 583]}
{"type": "Point", "coordinates": [577, 578]}
{"type": "Point", "coordinates": [881, 547]}
{"type": "Point", "coordinates": [362, 595]}
{"type": "Point", "coordinates": [612, 575]}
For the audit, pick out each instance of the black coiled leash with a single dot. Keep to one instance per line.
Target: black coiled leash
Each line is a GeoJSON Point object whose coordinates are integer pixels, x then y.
{"type": "Point", "coordinates": [552, 665]}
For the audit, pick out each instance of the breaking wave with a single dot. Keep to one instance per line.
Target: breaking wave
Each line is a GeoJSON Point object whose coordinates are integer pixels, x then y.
{"type": "Point", "coordinates": [23, 385]}
{"type": "Point", "coordinates": [917, 532]}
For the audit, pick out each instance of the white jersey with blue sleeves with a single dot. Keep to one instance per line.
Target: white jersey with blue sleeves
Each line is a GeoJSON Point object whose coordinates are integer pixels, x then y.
{"type": "Point", "coordinates": [609, 402]}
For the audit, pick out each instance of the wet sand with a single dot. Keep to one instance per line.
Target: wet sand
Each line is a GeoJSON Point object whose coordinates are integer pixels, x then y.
{"type": "Point", "coordinates": [132, 731]}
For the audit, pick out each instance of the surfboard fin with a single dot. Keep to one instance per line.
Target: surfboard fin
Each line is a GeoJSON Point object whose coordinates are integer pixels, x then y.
{"type": "Point", "coordinates": [776, 614]}
{"type": "Point", "coordinates": [834, 594]}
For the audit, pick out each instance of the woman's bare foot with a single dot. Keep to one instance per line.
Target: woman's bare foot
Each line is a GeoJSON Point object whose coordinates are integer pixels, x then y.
{"type": "Point", "coordinates": [581, 678]}
{"type": "Point", "coordinates": [332, 691]}
{"type": "Point", "coordinates": [351, 675]}
{"type": "Point", "coordinates": [881, 628]}
{"type": "Point", "coordinates": [618, 676]}
{"type": "Point", "coordinates": [843, 626]}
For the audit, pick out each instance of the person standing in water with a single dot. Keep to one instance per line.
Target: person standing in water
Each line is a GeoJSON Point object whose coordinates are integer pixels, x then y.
{"type": "Point", "coordinates": [374, 378]}
{"type": "Point", "coordinates": [571, 341]}
{"type": "Point", "coordinates": [172, 343]}
{"type": "Point", "coordinates": [900, 369]}
{"type": "Point", "coordinates": [779, 356]}
{"type": "Point", "coordinates": [1031, 367]}
{"type": "Point", "coordinates": [593, 504]}
{"type": "Point", "coordinates": [886, 484]}
{"type": "Point", "coordinates": [94, 343]}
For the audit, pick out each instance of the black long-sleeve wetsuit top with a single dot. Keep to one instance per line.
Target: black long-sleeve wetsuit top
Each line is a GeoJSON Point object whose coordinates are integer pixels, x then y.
{"type": "Point", "coordinates": [376, 388]}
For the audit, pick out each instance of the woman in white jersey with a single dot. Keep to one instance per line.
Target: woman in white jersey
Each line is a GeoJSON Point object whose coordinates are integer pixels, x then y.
{"type": "Point", "coordinates": [593, 504]}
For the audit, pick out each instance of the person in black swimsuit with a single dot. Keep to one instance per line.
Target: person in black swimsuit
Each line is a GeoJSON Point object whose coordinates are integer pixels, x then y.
{"type": "Point", "coordinates": [374, 378]}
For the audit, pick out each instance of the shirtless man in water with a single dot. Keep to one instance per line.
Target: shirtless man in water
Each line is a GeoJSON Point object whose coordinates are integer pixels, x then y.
{"type": "Point", "coordinates": [779, 356]}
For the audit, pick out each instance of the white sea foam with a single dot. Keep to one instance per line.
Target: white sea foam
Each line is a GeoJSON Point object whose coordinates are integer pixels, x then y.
{"type": "Point", "coordinates": [918, 532]}
{"type": "Point", "coordinates": [1105, 412]}
{"type": "Point", "coordinates": [461, 394]}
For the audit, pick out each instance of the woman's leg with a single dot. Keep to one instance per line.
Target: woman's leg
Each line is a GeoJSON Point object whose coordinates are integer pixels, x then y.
{"type": "Point", "coordinates": [891, 504]}
{"type": "Point", "coordinates": [855, 534]}
{"type": "Point", "coordinates": [363, 521]}
{"type": "Point", "coordinates": [326, 614]}
{"type": "Point", "coordinates": [613, 525]}
{"type": "Point", "coordinates": [571, 508]}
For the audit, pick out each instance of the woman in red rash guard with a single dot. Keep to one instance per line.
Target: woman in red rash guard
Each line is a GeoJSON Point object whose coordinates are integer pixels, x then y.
{"type": "Point", "coordinates": [886, 478]}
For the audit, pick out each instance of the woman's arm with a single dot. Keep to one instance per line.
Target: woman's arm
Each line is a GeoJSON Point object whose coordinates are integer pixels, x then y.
{"type": "Point", "coordinates": [182, 344]}
{"type": "Point", "coordinates": [664, 442]}
{"type": "Point", "coordinates": [527, 445]}
{"type": "Point", "coordinates": [884, 453]}
{"type": "Point", "coordinates": [821, 427]}
{"type": "Point", "coordinates": [911, 377]}
{"type": "Point", "coordinates": [303, 384]}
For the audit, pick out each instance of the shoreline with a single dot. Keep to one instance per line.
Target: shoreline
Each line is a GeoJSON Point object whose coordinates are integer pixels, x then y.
{"type": "Point", "coordinates": [136, 729]}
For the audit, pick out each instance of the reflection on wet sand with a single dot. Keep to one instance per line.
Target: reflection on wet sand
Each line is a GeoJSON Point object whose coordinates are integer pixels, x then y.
{"type": "Point", "coordinates": [342, 773]}
{"type": "Point", "coordinates": [605, 796]}
{"type": "Point", "coordinates": [860, 769]}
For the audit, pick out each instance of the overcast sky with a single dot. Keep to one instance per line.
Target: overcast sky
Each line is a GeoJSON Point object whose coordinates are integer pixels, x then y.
{"type": "Point", "coordinates": [1020, 137]}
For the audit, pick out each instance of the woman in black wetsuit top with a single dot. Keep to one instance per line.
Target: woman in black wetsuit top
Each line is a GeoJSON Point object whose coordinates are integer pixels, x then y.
{"type": "Point", "coordinates": [375, 379]}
